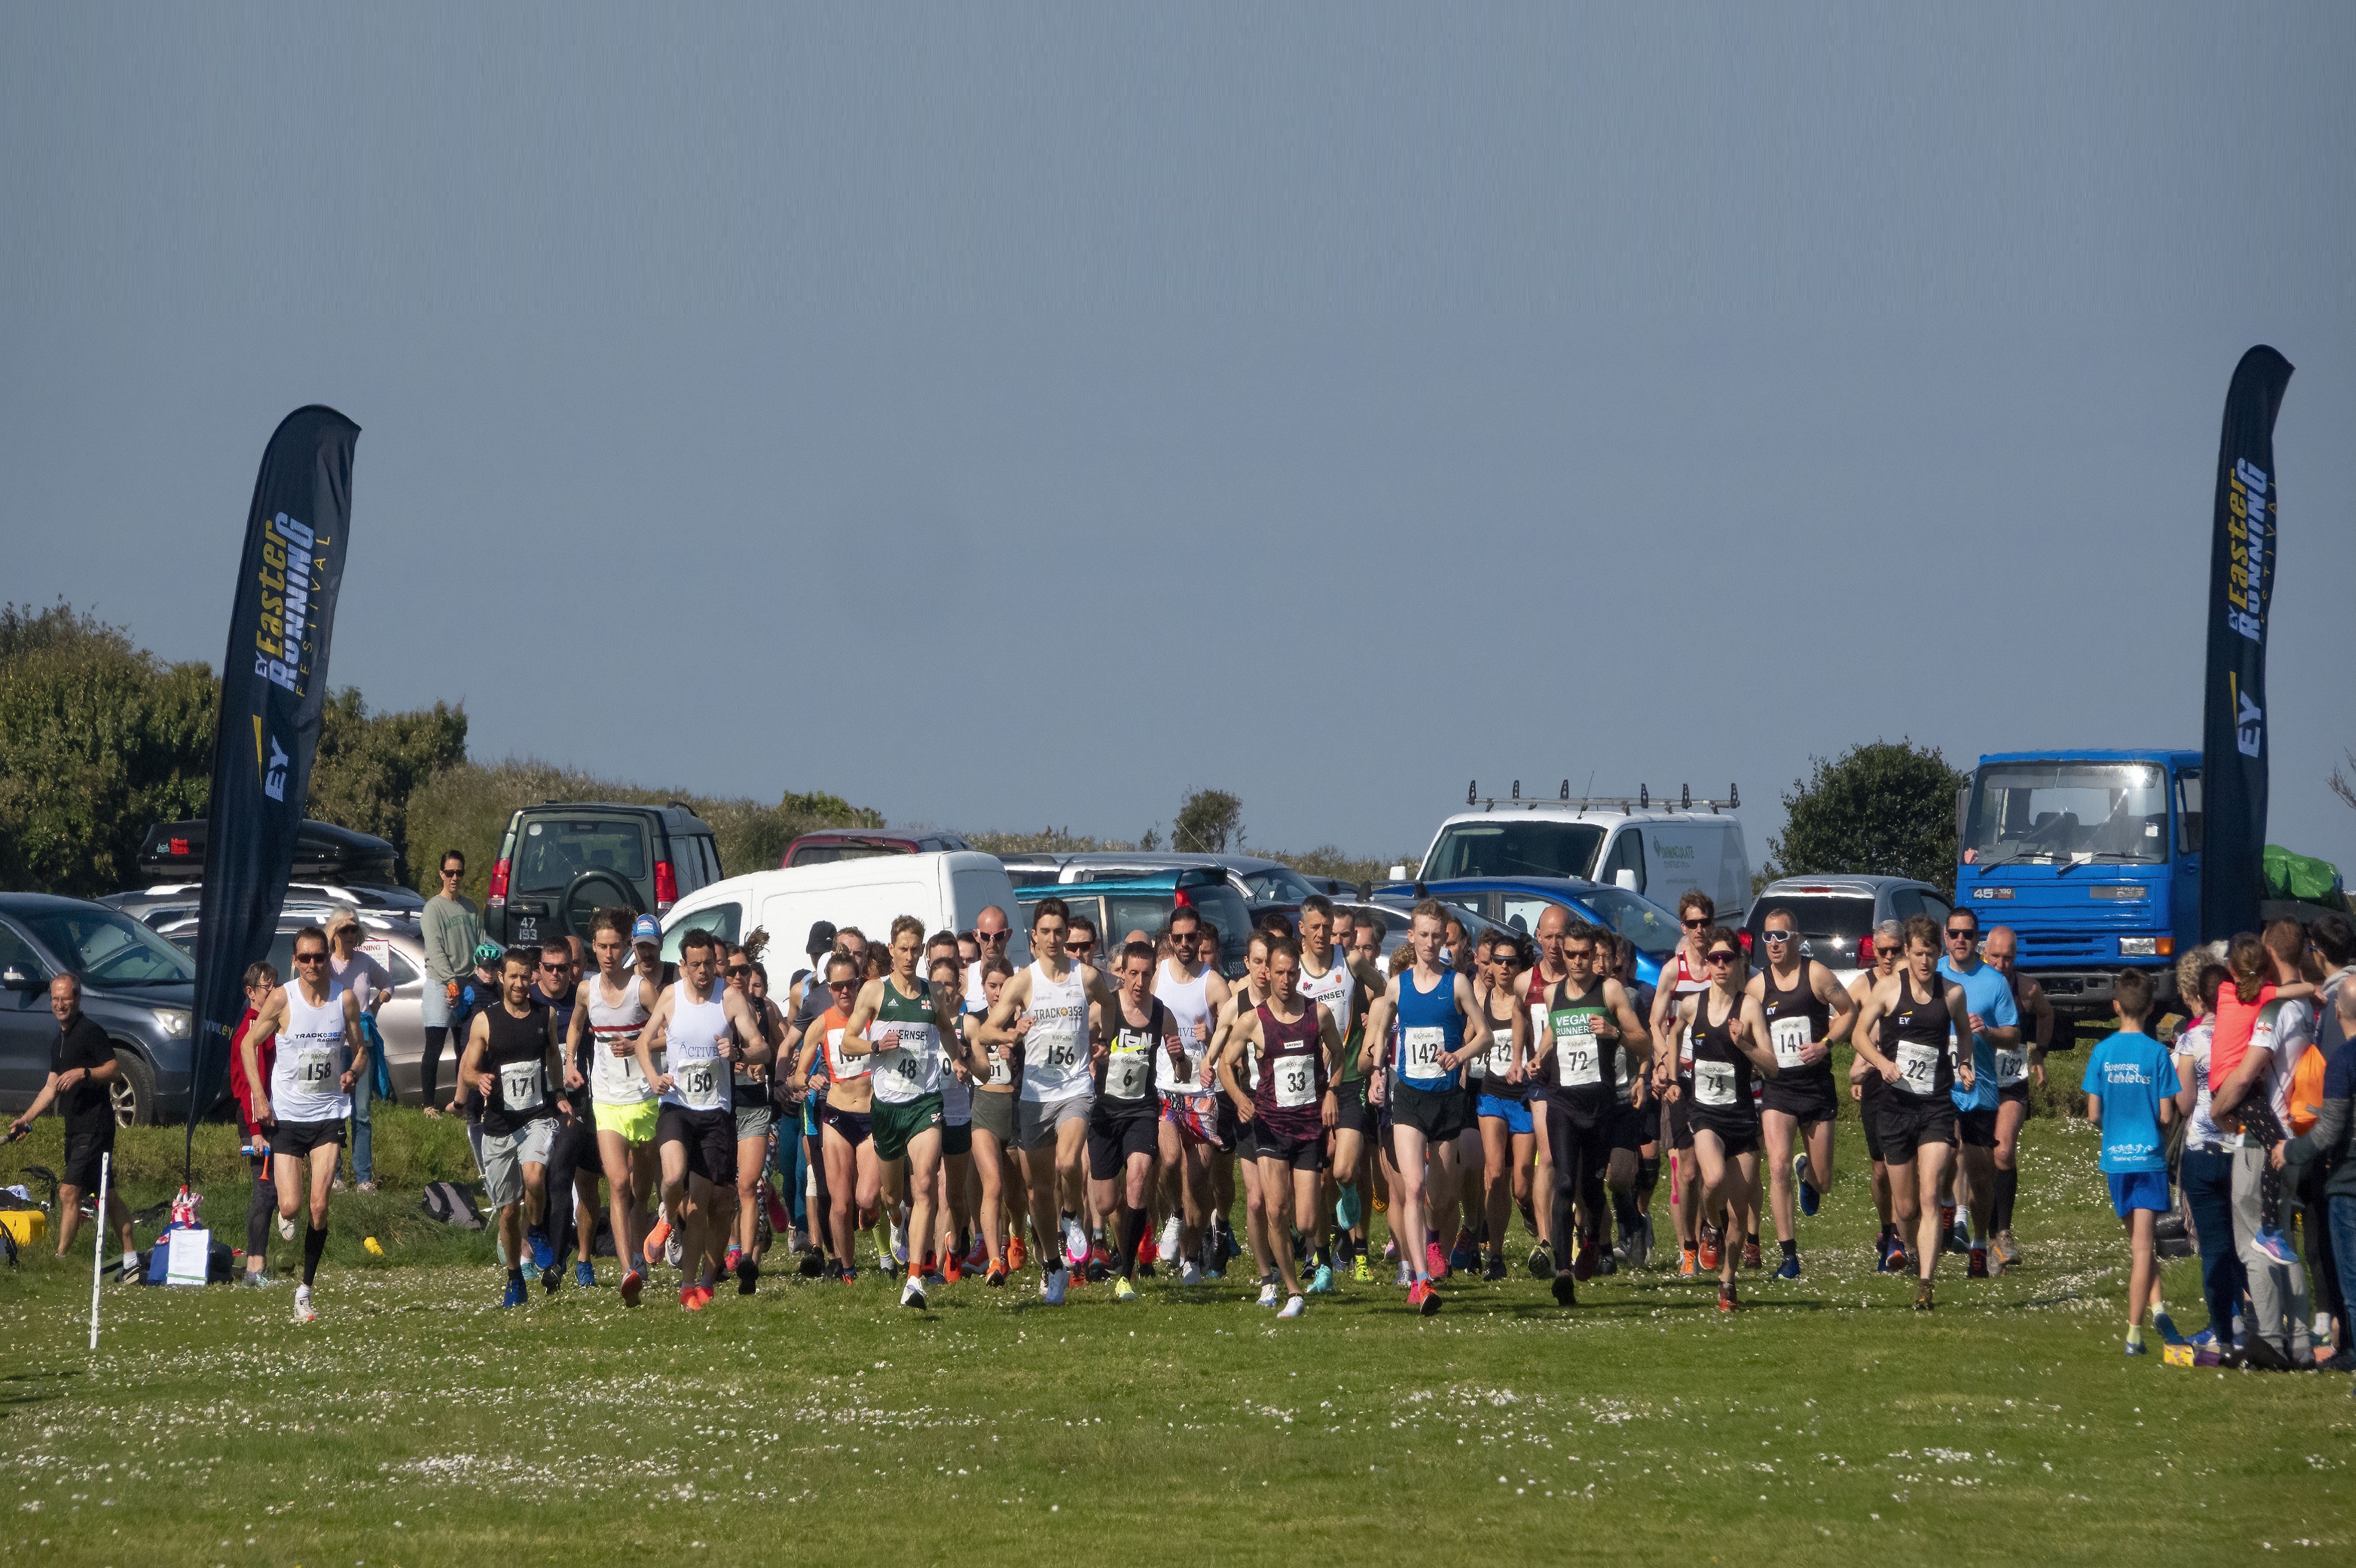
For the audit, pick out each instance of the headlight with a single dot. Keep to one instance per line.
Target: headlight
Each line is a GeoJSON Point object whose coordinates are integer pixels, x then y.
{"type": "Point", "coordinates": [2146, 946]}
{"type": "Point", "coordinates": [173, 1021]}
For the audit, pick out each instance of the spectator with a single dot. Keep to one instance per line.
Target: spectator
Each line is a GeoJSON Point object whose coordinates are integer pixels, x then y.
{"type": "Point", "coordinates": [349, 969]}
{"type": "Point", "coordinates": [2256, 1096]}
{"type": "Point", "coordinates": [261, 979]}
{"type": "Point", "coordinates": [452, 931]}
{"type": "Point", "coordinates": [81, 1083]}
{"type": "Point", "coordinates": [2205, 1170]}
{"type": "Point", "coordinates": [2332, 941]}
{"type": "Point", "coordinates": [2131, 1088]}
{"type": "Point", "coordinates": [2333, 1138]}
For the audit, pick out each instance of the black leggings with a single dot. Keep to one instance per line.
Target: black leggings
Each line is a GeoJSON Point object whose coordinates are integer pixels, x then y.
{"type": "Point", "coordinates": [260, 1209]}
{"type": "Point", "coordinates": [1582, 1148]}
{"type": "Point", "coordinates": [429, 1066]}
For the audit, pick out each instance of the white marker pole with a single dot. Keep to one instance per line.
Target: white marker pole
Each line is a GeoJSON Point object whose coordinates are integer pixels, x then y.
{"type": "Point", "coordinates": [98, 1252]}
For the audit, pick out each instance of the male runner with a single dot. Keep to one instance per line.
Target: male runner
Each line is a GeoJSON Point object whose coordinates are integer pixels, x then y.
{"type": "Point", "coordinates": [321, 1053]}
{"type": "Point", "coordinates": [1699, 1235]}
{"type": "Point", "coordinates": [512, 1054]}
{"type": "Point", "coordinates": [1052, 1110]}
{"type": "Point", "coordinates": [990, 934]}
{"type": "Point", "coordinates": [610, 1008]}
{"type": "Point", "coordinates": [1867, 1088]}
{"type": "Point", "coordinates": [902, 1022]}
{"type": "Point", "coordinates": [1288, 1108]}
{"type": "Point", "coordinates": [1586, 1013]}
{"type": "Point", "coordinates": [1636, 1168]}
{"type": "Point", "coordinates": [1356, 1123]}
{"type": "Point", "coordinates": [1250, 993]}
{"type": "Point", "coordinates": [1440, 1029]}
{"type": "Point", "coordinates": [1501, 1102]}
{"type": "Point", "coordinates": [2014, 1069]}
{"type": "Point", "coordinates": [1332, 977]}
{"type": "Point", "coordinates": [566, 1214]}
{"type": "Point", "coordinates": [1190, 1119]}
{"type": "Point", "coordinates": [1554, 921]}
{"type": "Point", "coordinates": [705, 1030]}
{"type": "Point", "coordinates": [1729, 1042]}
{"type": "Point", "coordinates": [1920, 1069]}
{"type": "Point", "coordinates": [756, 1114]}
{"type": "Point", "coordinates": [1139, 1035]}
{"type": "Point", "coordinates": [1994, 1025]}
{"type": "Point", "coordinates": [1805, 1012]}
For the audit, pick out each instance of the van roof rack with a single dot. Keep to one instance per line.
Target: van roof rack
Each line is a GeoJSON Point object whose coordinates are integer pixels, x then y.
{"type": "Point", "coordinates": [1641, 801]}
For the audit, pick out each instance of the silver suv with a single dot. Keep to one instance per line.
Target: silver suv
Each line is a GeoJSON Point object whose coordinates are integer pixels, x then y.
{"type": "Point", "coordinates": [1834, 913]}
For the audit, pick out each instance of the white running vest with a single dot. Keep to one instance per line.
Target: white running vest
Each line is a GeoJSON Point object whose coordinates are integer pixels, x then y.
{"type": "Point", "coordinates": [1190, 1003]}
{"type": "Point", "coordinates": [699, 1077]}
{"type": "Point", "coordinates": [615, 1080]}
{"type": "Point", "coordinates": [306, 1080]}
{"type": "Point", "coordinates": [1056, 1052]}
{"type": "Point", "coordinates": [1337, 988]}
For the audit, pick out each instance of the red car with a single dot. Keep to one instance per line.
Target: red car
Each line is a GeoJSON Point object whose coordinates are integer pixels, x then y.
{"type": "Point", "coordinates": [854, 844]}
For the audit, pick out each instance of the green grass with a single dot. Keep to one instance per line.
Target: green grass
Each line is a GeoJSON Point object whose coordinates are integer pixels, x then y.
{"type": "Point", "coordinates": [414, 1424]}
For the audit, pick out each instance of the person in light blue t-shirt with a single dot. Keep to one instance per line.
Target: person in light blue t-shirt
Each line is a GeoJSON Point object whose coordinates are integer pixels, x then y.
{"type": "Point", "coordinates": [2131, 1089]}
{"type": "Point", "coordinates": [1994, 1023]}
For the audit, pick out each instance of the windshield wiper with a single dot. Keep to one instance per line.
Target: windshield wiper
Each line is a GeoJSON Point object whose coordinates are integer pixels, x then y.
{"type": "Point", "coordinates": [2016, 856]}
{"type": "Point", "coordinates": [2120, 856]}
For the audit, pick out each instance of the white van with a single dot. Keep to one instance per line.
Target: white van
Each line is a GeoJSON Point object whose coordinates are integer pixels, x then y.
{"type": "Point", "coordinates": [1658, 850]}
{"type": "Point", "coordinates": [947, 890]}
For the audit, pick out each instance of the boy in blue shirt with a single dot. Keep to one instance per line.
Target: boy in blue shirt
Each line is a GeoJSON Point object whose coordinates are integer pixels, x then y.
{"type": "Point", "coordinates": [2131, 1088]}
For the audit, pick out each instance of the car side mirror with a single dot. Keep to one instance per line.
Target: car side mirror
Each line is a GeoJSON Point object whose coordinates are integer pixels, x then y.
{"type": "Point", "coordinates": [1625, 878]}
{"type": "Point", "coordinates": [15, 979]}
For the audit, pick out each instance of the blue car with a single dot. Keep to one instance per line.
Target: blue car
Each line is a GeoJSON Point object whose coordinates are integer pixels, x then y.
{"type": "Point", "coordinates": [1518, 902]}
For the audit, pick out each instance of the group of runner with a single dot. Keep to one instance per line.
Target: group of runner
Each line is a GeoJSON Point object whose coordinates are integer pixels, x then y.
{"type": "Point", "coordinates": [977, 1117]}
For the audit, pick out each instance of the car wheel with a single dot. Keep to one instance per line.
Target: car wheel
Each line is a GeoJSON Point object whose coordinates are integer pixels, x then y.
{"type": "Point", "coordinates": [590, 892]}
{"type": "Point", "coordinates": [133, 1090]}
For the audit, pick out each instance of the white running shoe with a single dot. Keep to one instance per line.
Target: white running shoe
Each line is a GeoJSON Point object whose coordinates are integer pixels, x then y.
{"type": "Point", "coordinates": [1051, 1288]}
{"type": "Point", "coordinates": [285, 1229]}
{"type": "Point", "coordinates": [1192, 1274]}
{"type": "Point", "coordinates": [913, 1294]}
{"type": "Point", "coordinates": [1293, 1307]}
{"type": "Point", "coordinates": [1170, 1239]}
{"type": "Point", "coordinates": [1267, 1295]}
{"type": "Point", "coordinates": [304, 1311]}
{"type": "Point", "coordinates": [1075, 1238]}
{"type": "Point", "coordinates": [1405, 1277]}
{"type": "Point", "coordinates": [899, 1245]}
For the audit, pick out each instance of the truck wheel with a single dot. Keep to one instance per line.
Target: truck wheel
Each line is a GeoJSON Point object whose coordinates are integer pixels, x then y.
{"type": "Point", "coordinates": [133, 1090]}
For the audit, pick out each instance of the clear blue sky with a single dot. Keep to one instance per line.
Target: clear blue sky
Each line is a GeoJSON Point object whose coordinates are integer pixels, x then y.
{"type": "Point", "coordinates": [1011, 419]}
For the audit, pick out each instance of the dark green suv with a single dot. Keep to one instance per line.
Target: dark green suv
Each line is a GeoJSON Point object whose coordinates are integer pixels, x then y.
{"type": "Point", "coordinates": [562, 861]}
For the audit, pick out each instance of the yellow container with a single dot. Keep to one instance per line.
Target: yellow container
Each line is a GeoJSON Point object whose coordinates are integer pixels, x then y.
{"type": "Point", "coordinates": [2176, 1356]}
{"type": "Point", "coordinates": [28, 1226]}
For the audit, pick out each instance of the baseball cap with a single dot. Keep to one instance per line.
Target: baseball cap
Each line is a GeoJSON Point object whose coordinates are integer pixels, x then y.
{"type": "Point", "coordinates": [645, 930]}
{"type": "Point", "coordinates": [821, 938]}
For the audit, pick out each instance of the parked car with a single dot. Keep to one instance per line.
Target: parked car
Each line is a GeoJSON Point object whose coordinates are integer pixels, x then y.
{"type": "Point", "coordinates": [1143, 902]}
{"type": "Point", "coordinates": [1265, 884]}
{"type": "Point", "coordinates": [562, 861]}
{"type": "Point", "coordinates": [1655, 850]}
{"type": "Point", "coordinates": [175, 902]}
{"type": "Point", "coordinates": [175, 852]}
{"type": "Point", "coordinates": [137, 987]}
{"type": "Point", "coordinates": [1398, 913]}
{"type": "Point", "coordinates": [1835, 915]}
{"type": "Point", "coordinates": [396, 943]}
{"type": "Point", "coordinates": [1516, 903]}
{"type": "Point", "coordinates": [855, 844]}
{"type": "Point", "coordinates": [947, 890]}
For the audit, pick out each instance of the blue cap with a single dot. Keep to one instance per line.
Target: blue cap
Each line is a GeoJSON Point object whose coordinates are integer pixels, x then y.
{"type": "Point", "coordinates": [646, 929]}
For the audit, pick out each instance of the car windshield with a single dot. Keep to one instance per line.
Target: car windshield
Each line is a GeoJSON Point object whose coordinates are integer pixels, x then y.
{"type": "Point", "coordinates": [1819, 917]}
{"type": "Point", "coordinates": [107, 947]}
{"type": "Point", "coordinates": [2116, 811]}
{"type": "Point", "coordinates": [1275, 885]}
{"type": "Point", "coordinates": [554, 851]}
{"type": "Point", "coordinates": [827, 854]}
{"type": "Point", "coordinates": [1510, 848]}
{"type": "Point", "coordinates": [1652, 929]}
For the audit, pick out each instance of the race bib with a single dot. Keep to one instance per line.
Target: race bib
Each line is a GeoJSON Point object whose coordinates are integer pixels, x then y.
{"type": "Point", "coordinates": [519, 1085]}
{"type": "Point", "coordinates": [699, 1085]}
{"type": "Point", "coordinates": [1422, 1049]}
{"type": "Point", "coordinates": [843, 1067]}
{"type": "Point", "coordinates": [1714, 1083]}
{"type": "Point", "coordinates": [1001, 1071]}
{"type": "Point", "coordinates": [2011, 1068]}
{"type": "Point", "coordinates": [1918, 1067]}
{"type": "Point", "coordinates": [1296, 1083]}
{"type": "Point", "coordinates": [1789, 1037]}
{"type": "Point", "coordinates": [1128, 1072]}
{"type": "Point", "coordinates": [1576, 1064]}
{"type": "Point", "coordinates": [314, 1066]}
{"type": "Point", "coordinates": [1500, 1053]}
{"type": "Point", "coordinates": [1063, 1052]}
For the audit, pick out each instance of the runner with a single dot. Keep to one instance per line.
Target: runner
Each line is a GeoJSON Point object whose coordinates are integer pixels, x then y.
{"type": "Point", "coordinates": [1250, 994]}
{"type": "Point", "coordinates": [512, 1058]}
{"type": "Point", "coordinates": [1586, 1012]}
{"type": "Point", "coordinates": [997, 1072]}
{"type": "Point", "coordinates": [2014, 1069]}
{"type": "Point", "coordinates": [1358, 1121]}
{"type": "Point", "coordinates": [854, 1178]}
{"type": "Point", "coordinates": [1918, 1111]}
{"type": "Point", "coordinates": [1138, 1038]}
{"type": "Point", "coordinates": [1219, 1244]}
{"type": "Point", "coordinates": [1548, 973]}
{"type": "Point", "coordinates": [1290, 1106]}
{"type": "Point", "coordinates": [957, 1123]}
{"type": "Point", "coordinates": [611, 1007]}
{"type": "Point", "coordinates": [1636, 1168]}
{"type": "Point", "coordinates": [990, 934]}
{"type": "Point", "coordinates": [1502, 1103]}
{"type": "Point", "coordinates": [1440, 1030]}
{"type": "Point", "coordinates": [1699, 1237]}
{"type": "Point", "coordinates": [756, 1115]}
{"type": "Point", "coordinates": [1994, 1025]}
{"type": "Point", "coordinates": [1194, 996]}
{"type": "Point", "coordinates": [1807, 1012]}
{"type": "Point", "coordinates": [901, 1022]}
{"type": "Point", "coordinates": [1341, 983]}
{"type": "Point", "coordinates": [570, 1214]}
{"type": "Point", "coordinates": [1867, 1088]}
{"type": "Point", "coordinates": [302, 1106]}
{"type": "Point", "coordinates": [1052, 1108]}
{"type": "Point", "coordinates": [1729, 1042]}
{"type": "Point", "coordinates": [705, 1030]}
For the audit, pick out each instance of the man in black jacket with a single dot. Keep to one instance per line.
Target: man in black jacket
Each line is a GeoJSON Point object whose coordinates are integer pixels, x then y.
{"type": "Point", "coordinates": [81, 1075]}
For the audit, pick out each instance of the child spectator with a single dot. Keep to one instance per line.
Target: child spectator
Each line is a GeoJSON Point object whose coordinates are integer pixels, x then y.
{"type": "Point", "coordinates": [2131, 1087]}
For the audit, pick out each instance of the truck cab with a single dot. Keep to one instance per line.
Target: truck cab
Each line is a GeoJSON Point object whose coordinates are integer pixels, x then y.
{"type": "Point", "coordinates": [2093, 859]}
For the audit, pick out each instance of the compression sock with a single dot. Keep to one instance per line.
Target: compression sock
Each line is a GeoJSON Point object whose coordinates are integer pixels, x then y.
{"type": "Point", "coordinates": [314, 1241]}
{"type": "Point", "coordinates": [1624, 1208]}
{"type": "Point", "coordinates": [2008, 1186]}
{"type": "Point", "coordinates": [1791, 1249]}
{"type": "Point", "coordinates": [1648, 1175]}
{"type": "Point", "coordinates": [1132, 1236]}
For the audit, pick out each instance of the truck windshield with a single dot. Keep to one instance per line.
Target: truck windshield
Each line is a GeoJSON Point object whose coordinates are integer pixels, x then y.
{"type": "Point", "coordinates": [1509, 848]}
{"type": "Point", "coordinates": [2027, 811]}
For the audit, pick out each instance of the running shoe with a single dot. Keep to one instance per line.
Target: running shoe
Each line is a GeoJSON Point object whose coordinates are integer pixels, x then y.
{"type": "Point", "coordinates": [735, 1255]}
{"type": "Point", "coordinates": [1435, 1263]}
{"type": "Point", "coordinates": [304, 1311]}
{"type": "Point", "coordinates": [1075, 1238]}
{"type": "Point", "coordinates": [899, 1250]}
{"type": "Point", "coordinates": [1423, 1298]}
{"type": "Point", "coordinates": [2204, 1341]}
{"type": "Point", "coordinates": [1959, 1234]}
{"type": "Point", "coordinates": [1496, 1270]}
{"type": "Point", "coordinates": [976, 1259]}
{"type": "Point", "coordinates": [1405, 1277]}
{"type": "Point", "coordinates": [849, 1274]}
{"type": "Point", "coordinates": [1348, 1209]}
{"type": "Point", "coordinates": [657, 1240]}
{"type": "Point", "coordinates": [1122, 1291]}
{"type": "Point", "coordinates": [1688, 1265]}
{"type": "Point", "coordinates": [1883, 1248]}
{"type": "Point", "coordinates": [1807, 1179]}
{"type": "Point", "coordinates": [1016, 1255]}
{"type": "Point", "coordinates": [633, 1283]}
{"type": "Point", "coordinates": [1190, 1273]}
{"type": "Point", "coordinates": [953, 1270]}
{"type": "Point", "coordinates": [1359, 1269]}
{"type": "Point", "coordinates": [2277, 1246]}
{"type": "Point", "coordinates": [1227, 1243]}
{"type": "Point", "coordinates": [1921, 1296]}
{"type": "Point", "coordinates": [1582, 1263]}
{"type": "Point", "coordinates": [550, 1278]}
{"type": "Point", "coordinates": [913, 1294]}
{"type": "Point", "coordinates": [996, 1276]}
{"type": "Point", "coordinates": [1977, 1268]}
{"type": "Point", "coordinates": [674, 1252]}
{"type": "Point", "coordinates": [1996, 1263]}
{"type": "Point", "coordinates": [1465, 1255]}
{"type": "Point", "coordinates": [1566, 1289]}
{"type": "Point", "coordinates": [1293, 1307]}
{"type": "Point", "coordinates": [515, 1296]}
{"type": "Point", "coordinates": [748, 1277]}
{"type": "Point", "coordinates": [1540, 1262]}
{"type": "Point", "coordinates": [1751, 1257]}
{"type": "Point", "coordinates": [258, 1279]}
{"type": "Point", "coordinates": [1789, 1268]}
{"type": "Point", "coordinates": [2165, 1327]}
{"type": "Point", "coordinates": [813, 1264]}
{"type": "Point", "coordinates": [1321, 1281]}
{"type": "Point", "coordinates": [690, 1299]}
{"type": "Point", "coordinates": [1390, 1249]}
{"type": "Point", "coordinates": [2135, 1348]}
{"type": "Point", "coordinates": [1727, 1300]}
{"type": "Point", "coordinates": [2005, 1249]}
{"type": "Point", "coordinates": [1710, 1242]}
{"type": "Point", "coordinates": [286, 1233]}
{"type": "Point", "coordinates": [1607, 1263]}
{"type": "Point", "coordinates": [584, 1276]}
{"type": "Point", "coordinates": [1268, 1291]}
{"type": "Point", "coordinates": [1644, 1241]}
{"type": "Point", "coordinates": [780, 1219]}
{"type": "Point", "coordinates": [1173, 1236]}
{"type": "Point", "coordinates": [1053, 1285]}
{"type": "Point", "coordinates": [543, 1255]}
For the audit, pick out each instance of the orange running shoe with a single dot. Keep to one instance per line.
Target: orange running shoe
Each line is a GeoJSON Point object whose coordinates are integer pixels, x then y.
{"type": "Point", "coordinates": [1015, 1256]}
{"type": "Point", "coordinates": [655, 1238]}
{"type": "Point", "coordinates": [1686, 1267]}
{"type": "Point", "coordinates": [632, 1283]}
{"type": "Point", "coordinates": [953, 1269]}
{"type": "Point", "coordinates": [690, 1299]}
{"type": "Point", "coordinates": [1709, 1240]}
{"type": "Point", "coordinates": [996, 1274]}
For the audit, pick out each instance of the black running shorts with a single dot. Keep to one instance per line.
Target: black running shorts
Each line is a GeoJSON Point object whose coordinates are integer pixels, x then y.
{"type": "Point", "coordinates": [1908, 1123]}
{"type": "Point", "coordinates": [1112, 1139]}
{"type": "Point", "coordinates": [708, 1136]}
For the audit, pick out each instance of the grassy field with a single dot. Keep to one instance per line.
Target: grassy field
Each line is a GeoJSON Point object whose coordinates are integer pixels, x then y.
{"type": "Point", "coordinates": [416, 1424]}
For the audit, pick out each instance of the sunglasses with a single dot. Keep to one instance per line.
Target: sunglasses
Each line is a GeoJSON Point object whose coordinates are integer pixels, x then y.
{"type": "Point", "coordinates": [1721, 957]}
{"type": "Point", "coordinates": [1777, 935]}
{"type": "Point", "coordinates": [992, 935]}
{"type": "Point", "coordinates": [841, 984]}
{"type": "Point", "coordinates": [1079, 947]}
{"type": "Point", "coordinates": [738, 971]}
{"type": "Point", "coordinates": [1700, 924]}
{"type": "Point", "coordinates": [1965, 932]}
{"type": "Point", "coordinates": [310, 958]}
{"type": "Point", "coordinates": [454, 870]}
{"type": "Point", "coordinates": [554, 968]}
